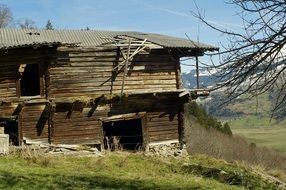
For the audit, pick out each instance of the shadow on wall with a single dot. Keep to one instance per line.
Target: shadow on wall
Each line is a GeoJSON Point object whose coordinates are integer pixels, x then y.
{"type": "Point", "coordinates": [43, 120]}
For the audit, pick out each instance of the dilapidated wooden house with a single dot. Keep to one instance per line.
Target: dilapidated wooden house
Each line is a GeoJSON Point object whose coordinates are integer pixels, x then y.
{"type": "Point", "coordinates": [85, 87]}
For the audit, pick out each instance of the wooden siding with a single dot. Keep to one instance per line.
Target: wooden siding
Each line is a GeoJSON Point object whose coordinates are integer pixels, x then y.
{"type": "Point", "coordinates": [33, 124]}
{"type": "Point", "coordinates": [89, 72]}
{"type": "Point", "coordinates": [76, 127]}
{"type": "Point", "coordinates": [162, 126]}
{"type": "Point", "coordinates": [9, 65]}
{"type": "Point", "coordinates": [84, 126]}
{"type": "Point", "coordinates": [8, 110]}
{"type": "Point", "coordinates": [162, 115]}
{"type": "Point", "coordinates": [8, 79]}
{"type": "Point", "coordinates": [75, 72]}
{"type": "Point", "coordinates": [68, 126]}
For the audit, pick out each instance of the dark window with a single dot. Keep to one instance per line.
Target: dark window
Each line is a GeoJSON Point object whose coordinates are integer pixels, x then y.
{"type": "Point", "coordinates": [30, 81]}
{"type": "Point", "coordinates": [128, 134]}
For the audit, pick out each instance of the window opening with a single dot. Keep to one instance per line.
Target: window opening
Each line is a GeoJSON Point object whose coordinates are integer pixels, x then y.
{"type": "Point", "coordinates": [126, 134]}
{"type": "Point", "coordinates": [30, 80]}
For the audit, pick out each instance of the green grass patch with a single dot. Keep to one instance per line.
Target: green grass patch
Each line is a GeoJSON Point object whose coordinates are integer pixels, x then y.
{"type": "Point", "coordinates": [256, 125]}
{"type": "Point", "coordinates": [252, 121]}
{"type": "Point", "coordinates": [269, 136]}
{"type": "Point", "coordinates": [113, 171]}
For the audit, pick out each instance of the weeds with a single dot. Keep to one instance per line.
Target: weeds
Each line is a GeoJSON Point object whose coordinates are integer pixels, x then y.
{"type": "Point", "coordinates": [34, 156]}
{"type": "Point", "coordinates": [201, 140]}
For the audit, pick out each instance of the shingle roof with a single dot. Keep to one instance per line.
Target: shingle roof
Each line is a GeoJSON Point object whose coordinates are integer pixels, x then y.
{"type": "Point", "coordinates": [11, 38]}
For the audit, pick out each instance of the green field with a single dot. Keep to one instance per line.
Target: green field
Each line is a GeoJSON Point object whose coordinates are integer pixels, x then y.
{"type": "Point", "coordinates": [256, 125]}
{"type": "Point", "coordinates": [261, 132]}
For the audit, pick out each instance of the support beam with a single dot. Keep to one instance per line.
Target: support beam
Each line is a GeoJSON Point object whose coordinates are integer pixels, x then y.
{"type": "Point", "coordinates": [125, 70]}
{"type": "Point", "coordinates": [197, 72]}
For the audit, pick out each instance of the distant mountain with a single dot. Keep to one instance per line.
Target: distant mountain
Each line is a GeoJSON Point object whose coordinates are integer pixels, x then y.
{"type": "Point", "coordinates": [207, 78]}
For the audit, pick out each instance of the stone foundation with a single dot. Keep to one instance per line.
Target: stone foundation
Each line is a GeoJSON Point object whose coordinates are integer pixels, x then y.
{"type": "Point", "coordinates": [167, 150]}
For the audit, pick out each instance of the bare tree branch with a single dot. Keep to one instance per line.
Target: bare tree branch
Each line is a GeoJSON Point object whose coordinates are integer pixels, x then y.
{"type": "Point", "coordinates": [252, 61]}
{"type": "Point", "coordinates": [5, 16]}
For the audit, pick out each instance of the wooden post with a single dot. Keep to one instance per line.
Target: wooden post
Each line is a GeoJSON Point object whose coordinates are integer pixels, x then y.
{"type": "Point", "coordinates": [125, 69]}
{"type": "Point", "coordinates": [20, 135]}
{"type": "Point", "coordinates": [197, 72]}
{"type": "Point", "coordinates": [145, 132]}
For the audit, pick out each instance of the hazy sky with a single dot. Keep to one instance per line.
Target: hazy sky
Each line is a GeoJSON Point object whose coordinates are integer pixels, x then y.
{"type": "Point", "coordinates": [171, 17]}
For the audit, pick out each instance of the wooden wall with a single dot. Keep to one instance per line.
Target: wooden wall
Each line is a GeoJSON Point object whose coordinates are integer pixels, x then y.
{"type": "Point", "coordinates": [33, 124]}
{"type": "Point", "coordinates": [162, 126]}
{"type": "Point", "coordinates": [75, 72]}
{"type": "Point", "coordinates": [76, 127]}
{"type": "Point", "coordinates": [10, 60]}
{"type": "Point", "coordinates": [162, 114]}
{"type": "Point", "coordinates": [84, 126]}
{"type": "Point", "coordinates": [8, 110]}
{"type": "Point", "coordinates": [89, 72]}
{"type": "Point", "coordinates": [8, 76]}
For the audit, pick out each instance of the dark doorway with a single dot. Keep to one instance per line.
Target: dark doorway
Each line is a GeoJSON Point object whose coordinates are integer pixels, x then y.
{"type": "Point", "coordinates": [10, 128]}
{"type": "Point", "coordinates": [126, 134]}
{"type": "Point", "coordinates": [30, 80]}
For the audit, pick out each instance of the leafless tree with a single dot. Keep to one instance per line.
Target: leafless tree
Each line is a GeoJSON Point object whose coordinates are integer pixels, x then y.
{"type": "Point", "coordinates": [254, 59]}
{"type": "Point", "coordinates": [5, 16]}
{"type": "Point", "coordinates": [26, 23]}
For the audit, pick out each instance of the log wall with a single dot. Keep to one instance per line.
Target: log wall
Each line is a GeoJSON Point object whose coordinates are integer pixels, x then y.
{"type": "Point", "coordinates": [84, 126]}
{"type": "Point", "coordinates": [8, 77]}
{"type": "Point", "coordinates": [89, 72]}
{"type": "Point", "coordinates": [162, 113]}
{"type": "Point", "coordinates": [74, 72]}
{"type": "Point", "coordinates": [8, 110]}
{"type": "Point", "coordinates": [33, 124]}
{"type": "Point", "coordinates": [76, 127]}
{"type": "Point", "coordinates": [9, 69]}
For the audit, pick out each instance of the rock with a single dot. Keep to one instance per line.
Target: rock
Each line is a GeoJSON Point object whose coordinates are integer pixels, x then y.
{"type": "Point", "coordinates": [166, 150]}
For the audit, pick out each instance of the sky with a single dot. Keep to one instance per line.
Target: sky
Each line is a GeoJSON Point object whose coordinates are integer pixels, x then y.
{"type": "Point", "coordinates": [170, 17]}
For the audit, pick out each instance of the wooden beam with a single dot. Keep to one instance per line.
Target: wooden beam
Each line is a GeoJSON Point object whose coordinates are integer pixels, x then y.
{"type": "Point", "coordinates": [125, 70]}
{"type": "Point", "coordinates": [130, 57]}
{"type": "Point", "coordinates": [127, 116]}
{"type": "Point", "coordinates": [197, 71]}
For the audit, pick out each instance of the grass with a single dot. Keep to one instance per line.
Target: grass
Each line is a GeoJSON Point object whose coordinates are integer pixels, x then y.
{"type": "Point", "coordinates": [262, 130]}
{"type": "Point", "coordinates": [257, 126]}
{"type": "Point", "coordinates": [253, 121]}
{"type": "Point", "coordinates": [269, 136]}
{"type": "Point", "coordinates": [113, 171]}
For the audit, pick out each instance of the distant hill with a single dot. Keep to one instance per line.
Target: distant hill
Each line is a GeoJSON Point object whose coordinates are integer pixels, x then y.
{"type": "Point", "coordinates": [209, 77]}
{"type": "Point", "coordinates": [206, 78]}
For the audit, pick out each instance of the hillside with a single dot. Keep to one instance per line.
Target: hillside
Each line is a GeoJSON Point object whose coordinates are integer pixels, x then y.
{"type": "Point", "coordinates": [250, 118]}
{"type": "Point", "coordinates": [122, 170]}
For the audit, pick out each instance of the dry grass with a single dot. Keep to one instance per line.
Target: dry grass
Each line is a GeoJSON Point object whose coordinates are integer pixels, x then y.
{"type": "Point", "coordinates": [230, 148]}
{"type": "Point", "coordinates": [34, 155]}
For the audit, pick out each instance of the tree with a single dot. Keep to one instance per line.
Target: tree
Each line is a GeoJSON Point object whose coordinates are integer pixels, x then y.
{"type": "Point", "coordinates": [49, 26]}
{"type": "Point", "coordinates": [5, 16]}
{"type": "Point", "coordinates": [279, 110]}
{"type": "Point", "coordinates": [254, 60]}
{"type": "Point", "coordinates": [26, 23]}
